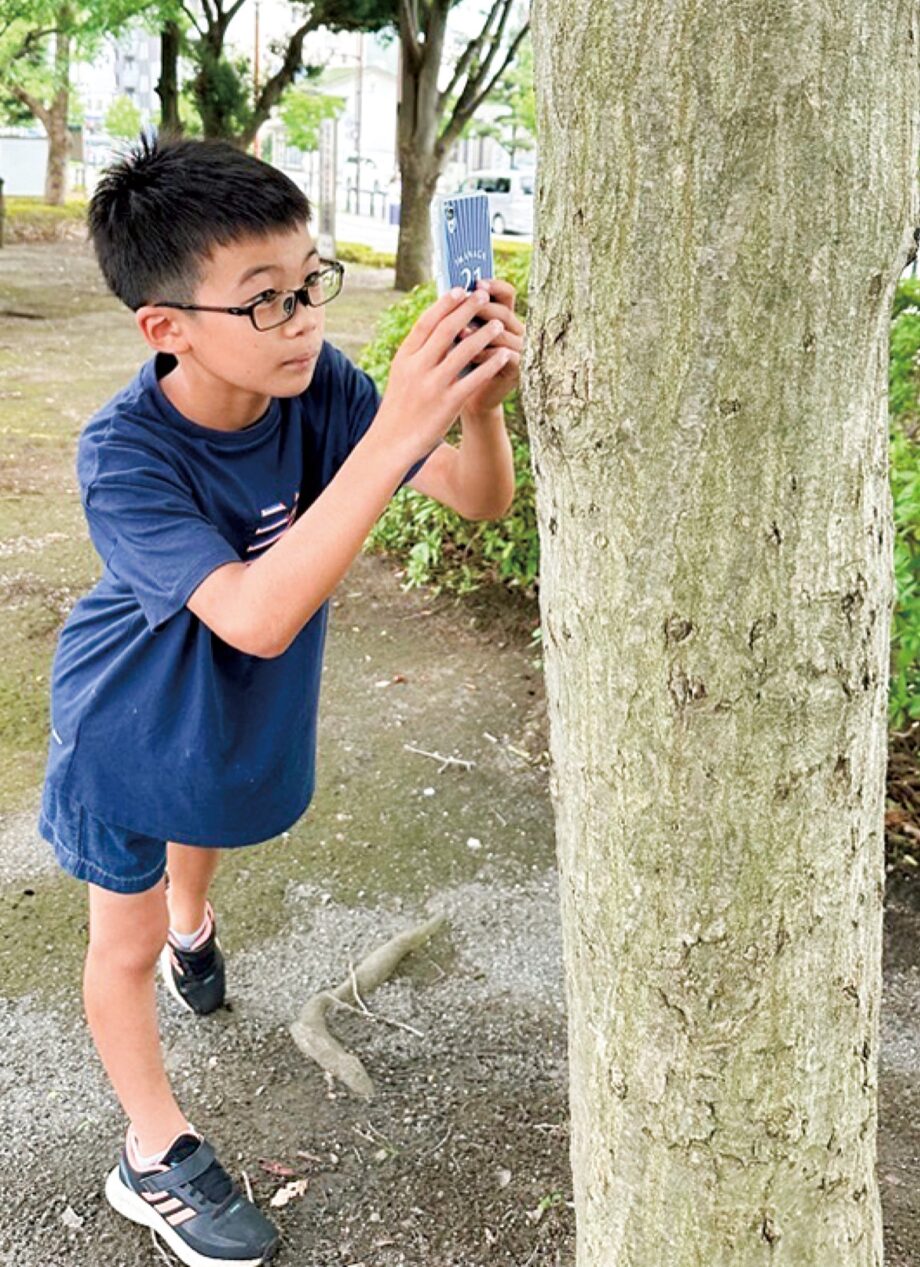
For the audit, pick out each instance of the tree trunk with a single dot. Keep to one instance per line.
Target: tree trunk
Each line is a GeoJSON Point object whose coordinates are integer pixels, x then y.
{"type": "Point", "coordinates": [56, 124]}
{"type": "Point", "coordinates": [725, 198]}
{"type": "Point", "coordinates": [168, 83]}
{"type": "Point", "coordinates": [421, 154]}
{"type": "Point", "coordinates": [413, 254]}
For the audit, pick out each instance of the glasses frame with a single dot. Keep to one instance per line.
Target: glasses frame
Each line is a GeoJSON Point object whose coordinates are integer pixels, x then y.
{"type": "Point", "coordinates": [300, 294]}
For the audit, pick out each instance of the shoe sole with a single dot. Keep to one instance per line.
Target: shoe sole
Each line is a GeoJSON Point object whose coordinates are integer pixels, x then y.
{"type": "Point", "coordinates": [169, 982]}
{"type": "Point", "coordinates": [127, 1203]}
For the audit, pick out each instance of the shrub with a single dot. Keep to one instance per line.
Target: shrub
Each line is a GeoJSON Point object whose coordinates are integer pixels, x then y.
{"type": "Point", "coordinates": [904, 412]}
{"type": "Point", "coordinates": [441, 549]}
{"type": "Point", "coordinates": [31, 220]}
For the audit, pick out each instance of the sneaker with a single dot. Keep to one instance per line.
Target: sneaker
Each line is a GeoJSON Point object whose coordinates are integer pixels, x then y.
{"type": "Point", "coordinates": [192, 1203]}
{"type": "Point", "coordinates": [195, 977]}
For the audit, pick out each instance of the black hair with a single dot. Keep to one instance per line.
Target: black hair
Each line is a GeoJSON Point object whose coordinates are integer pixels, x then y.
{"type": "Point", "coordinates": [157, 213]}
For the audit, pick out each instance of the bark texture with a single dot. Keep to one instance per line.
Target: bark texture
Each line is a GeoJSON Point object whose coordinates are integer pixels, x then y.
{"type": "Point", "coordinates": [725, 199]}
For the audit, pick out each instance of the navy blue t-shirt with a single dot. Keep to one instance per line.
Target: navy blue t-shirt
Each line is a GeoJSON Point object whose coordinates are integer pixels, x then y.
{"type": "Point", "coordinates": [159, 726]}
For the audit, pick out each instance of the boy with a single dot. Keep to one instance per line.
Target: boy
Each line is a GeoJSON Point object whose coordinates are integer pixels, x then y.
{"type": "Point", "coordinates": [227, 490]}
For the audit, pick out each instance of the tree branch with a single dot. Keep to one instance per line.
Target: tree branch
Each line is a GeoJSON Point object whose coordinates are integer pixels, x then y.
{"type": "Point", "coordinates": [40, 111]}
{"type": "Point", "coordinates": [271, 92]}
{"type": "Point", "coordinates": [475, 80]}
{"type": "Point", "coordinates": [408, 28]}
{"type": "Point", "coordinates": [464, 111]}
{"type": "Point", "coordinates": [234, 10]}
{"type": "Point", "coordinates": [193, 17]}
{"type": "Point", "coordinates": [473, 47]}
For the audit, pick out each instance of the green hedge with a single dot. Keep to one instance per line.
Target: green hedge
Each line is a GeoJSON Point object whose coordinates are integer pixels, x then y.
{"type": "Point", "coordinates": [904, 414]}
{"type": "Point", "coordinates": [447, 552]}
{"type": "Point", "coordinates": [31, 220]}
{"type": "Point", "coordinates": [440, 548]}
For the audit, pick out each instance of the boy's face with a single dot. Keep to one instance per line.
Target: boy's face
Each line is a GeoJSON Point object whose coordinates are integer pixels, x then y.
{"type": "Point", "coordinates": [275, 362]}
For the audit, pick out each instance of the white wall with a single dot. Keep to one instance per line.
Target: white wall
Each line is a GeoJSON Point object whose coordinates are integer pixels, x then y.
{"type": "Point", "coordinates": [23, 160]}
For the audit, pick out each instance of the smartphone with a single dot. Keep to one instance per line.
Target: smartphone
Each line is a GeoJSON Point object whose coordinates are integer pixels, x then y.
{"type": "Point", "coordinates": [462, 235]}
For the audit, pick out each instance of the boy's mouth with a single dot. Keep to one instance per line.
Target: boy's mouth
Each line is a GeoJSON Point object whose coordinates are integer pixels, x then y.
{"type": "Point", "coordinates": [300, 362]}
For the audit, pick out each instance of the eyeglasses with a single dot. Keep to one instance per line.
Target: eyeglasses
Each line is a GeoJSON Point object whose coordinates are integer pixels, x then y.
{"type": "Point", "coordinates": [274, 307]}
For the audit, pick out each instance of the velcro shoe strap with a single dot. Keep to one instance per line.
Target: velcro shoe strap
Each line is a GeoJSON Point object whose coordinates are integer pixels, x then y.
{"type": "Point", "coordinates": [184, 1172]}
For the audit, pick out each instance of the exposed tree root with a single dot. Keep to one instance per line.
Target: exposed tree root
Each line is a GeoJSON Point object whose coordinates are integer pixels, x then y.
{"type": "Point", "coordinates": [310, 1031]}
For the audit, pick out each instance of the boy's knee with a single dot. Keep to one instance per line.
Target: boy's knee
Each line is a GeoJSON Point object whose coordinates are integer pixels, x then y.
{"type": "Point", "coordinates": [127, 932]}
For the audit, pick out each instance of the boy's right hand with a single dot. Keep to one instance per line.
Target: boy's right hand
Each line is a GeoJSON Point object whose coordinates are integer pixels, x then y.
{"type": "Point", "coordinates": [424, 393]}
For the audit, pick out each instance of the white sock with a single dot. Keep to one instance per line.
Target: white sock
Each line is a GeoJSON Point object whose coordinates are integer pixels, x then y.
{"type": "Point", "coordinates": [186, 941]}
{"type": "Point", "coordinates": [139, 1162]}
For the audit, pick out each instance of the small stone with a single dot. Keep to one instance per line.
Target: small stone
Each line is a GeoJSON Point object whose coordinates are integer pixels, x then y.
{"type": "Point", "coordinates": [71, 1219]}
{"type": "Point", "coordinates": [428, 791]}
{"type": "Point", "coordinates": [473, 843]}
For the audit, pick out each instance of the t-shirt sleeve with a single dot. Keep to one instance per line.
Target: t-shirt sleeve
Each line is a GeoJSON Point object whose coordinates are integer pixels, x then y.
{"type": "Point", "coordinates": [363, 402]}
{"type": "Point", "coordinates": [149, 531]}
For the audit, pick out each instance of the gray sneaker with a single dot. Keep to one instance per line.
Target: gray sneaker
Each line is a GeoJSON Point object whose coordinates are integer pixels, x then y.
{"type": "Point", "coordinates": [192, 1203]}
{"type": "Point", "coordinates": [196, 977]}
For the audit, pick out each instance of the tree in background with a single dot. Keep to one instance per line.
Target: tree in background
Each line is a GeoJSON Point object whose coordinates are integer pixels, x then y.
{"type": "Point", "coordinates": [431, 119]}
{"type": "Point", "coordinates": [230, 104]}
{"type": "Point", "coordinates": [38, 41]}
{"type": "Point", "coordinates": [726, 197]}
{"type": "Point", "coordinates": [123, 119]}
{"type": "Point", "coordinates": [302, 111]}
{"type": "Point", "coordinates": [513, 119]}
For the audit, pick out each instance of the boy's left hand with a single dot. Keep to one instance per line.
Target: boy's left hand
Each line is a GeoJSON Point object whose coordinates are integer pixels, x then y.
{"type": "Point", "coordinates": [501, 307]}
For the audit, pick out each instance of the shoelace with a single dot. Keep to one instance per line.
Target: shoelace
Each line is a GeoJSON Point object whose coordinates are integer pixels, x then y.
{"type": "Point", "coordinates": [216, 1185]}
{"type": "Point", "coordinates": [198, 962]}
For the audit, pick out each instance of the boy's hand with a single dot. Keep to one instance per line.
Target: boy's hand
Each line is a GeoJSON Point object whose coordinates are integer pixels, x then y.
{"type": "Point", "coordinates": [501, 307]}
{"type": "Point", "coordinates": [424, 394]}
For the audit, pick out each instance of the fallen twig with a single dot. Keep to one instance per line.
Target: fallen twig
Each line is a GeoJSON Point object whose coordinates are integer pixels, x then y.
{"type": "Point", "coordinates": [310, 1031]}
{"type": "Point", "coordinates": [437, 756]}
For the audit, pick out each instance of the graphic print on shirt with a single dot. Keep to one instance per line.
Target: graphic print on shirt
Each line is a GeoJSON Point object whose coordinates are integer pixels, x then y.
{"type": "Point", "coordinates": [276, 519]}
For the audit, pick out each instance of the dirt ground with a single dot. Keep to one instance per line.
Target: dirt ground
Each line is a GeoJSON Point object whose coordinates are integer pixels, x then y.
{"type": "Point", "coordinates": [461, 1159]}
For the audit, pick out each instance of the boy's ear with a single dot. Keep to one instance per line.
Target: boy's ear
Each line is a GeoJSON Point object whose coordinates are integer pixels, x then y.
{"type": "Point", "coordinates": [162, 329]}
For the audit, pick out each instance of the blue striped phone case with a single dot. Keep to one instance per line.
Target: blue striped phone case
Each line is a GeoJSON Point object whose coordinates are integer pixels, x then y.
{"type": "Point", "coordinates": [462, 238]}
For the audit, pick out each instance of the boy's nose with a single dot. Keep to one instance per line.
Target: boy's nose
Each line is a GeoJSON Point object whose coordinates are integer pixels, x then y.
{"type": "Point", "coordinates": [304, 316]}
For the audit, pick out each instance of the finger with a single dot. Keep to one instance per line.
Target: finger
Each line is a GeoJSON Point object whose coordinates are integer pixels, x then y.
{"type": "Point", "coordinates": [430, 318]}
{"type": "Point", "coordinates": [505, 316]}
{"type": "Point", "coordinates": [501, 290]}
{"type": "Point", "coordinates": [475, 380]}
{"type": "Point", "coordinates": [474, 343]}
{"type": "Point", "coordinates": [503, 340]}
{"type": "Point", "coordinates": [441, 339]}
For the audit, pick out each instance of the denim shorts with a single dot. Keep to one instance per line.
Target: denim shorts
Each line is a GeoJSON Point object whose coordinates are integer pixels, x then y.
{"type": "Point", "coordinates": [112, 857]}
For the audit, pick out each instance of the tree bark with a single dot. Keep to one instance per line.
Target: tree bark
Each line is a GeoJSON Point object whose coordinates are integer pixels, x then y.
{"type": "Point", "coordinates": [420, 153]}
{"type": "Point", "coordinates": [168, 83]}
{"type": "Point", "coordinates": [56, 122]}
{"type": "Point", "coordinates": [726, 194]}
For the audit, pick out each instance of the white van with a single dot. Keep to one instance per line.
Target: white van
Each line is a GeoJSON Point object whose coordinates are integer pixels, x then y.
{"type": "Point", "coordinates": [510, 198]}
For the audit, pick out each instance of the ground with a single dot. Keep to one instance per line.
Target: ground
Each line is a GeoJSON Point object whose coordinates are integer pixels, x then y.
{"type": "Point", "coordinates": [461, 1159]}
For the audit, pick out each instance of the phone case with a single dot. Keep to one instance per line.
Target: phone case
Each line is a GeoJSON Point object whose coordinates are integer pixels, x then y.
{"type": "Point", "coordinates": [462, 238]}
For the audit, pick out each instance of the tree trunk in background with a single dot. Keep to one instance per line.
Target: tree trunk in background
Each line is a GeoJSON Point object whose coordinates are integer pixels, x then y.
{"type": "Point", "coordinates": [55, 122]}
{"type": "Point", "coordinates": [168, 83]}
{"type": "Point", "coordinates": [421, 154]}
{"type": "Point", "coordinates": [725, 198]}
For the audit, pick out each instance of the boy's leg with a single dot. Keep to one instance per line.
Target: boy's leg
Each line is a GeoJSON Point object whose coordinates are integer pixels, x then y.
{"type": "Point", "coordinates": [191, 869]}
{"type": "Point", "coordinates": [126, 934]}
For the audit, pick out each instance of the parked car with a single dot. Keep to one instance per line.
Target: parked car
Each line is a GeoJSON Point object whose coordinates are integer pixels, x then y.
{"type": "Point", "coordinates": [510, 198]}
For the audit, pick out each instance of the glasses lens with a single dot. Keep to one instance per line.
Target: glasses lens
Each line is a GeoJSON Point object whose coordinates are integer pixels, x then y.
{"type": "Point", "coordinates": [327, 284]}
{"type": "Point", "coordinates": [273, 311]}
